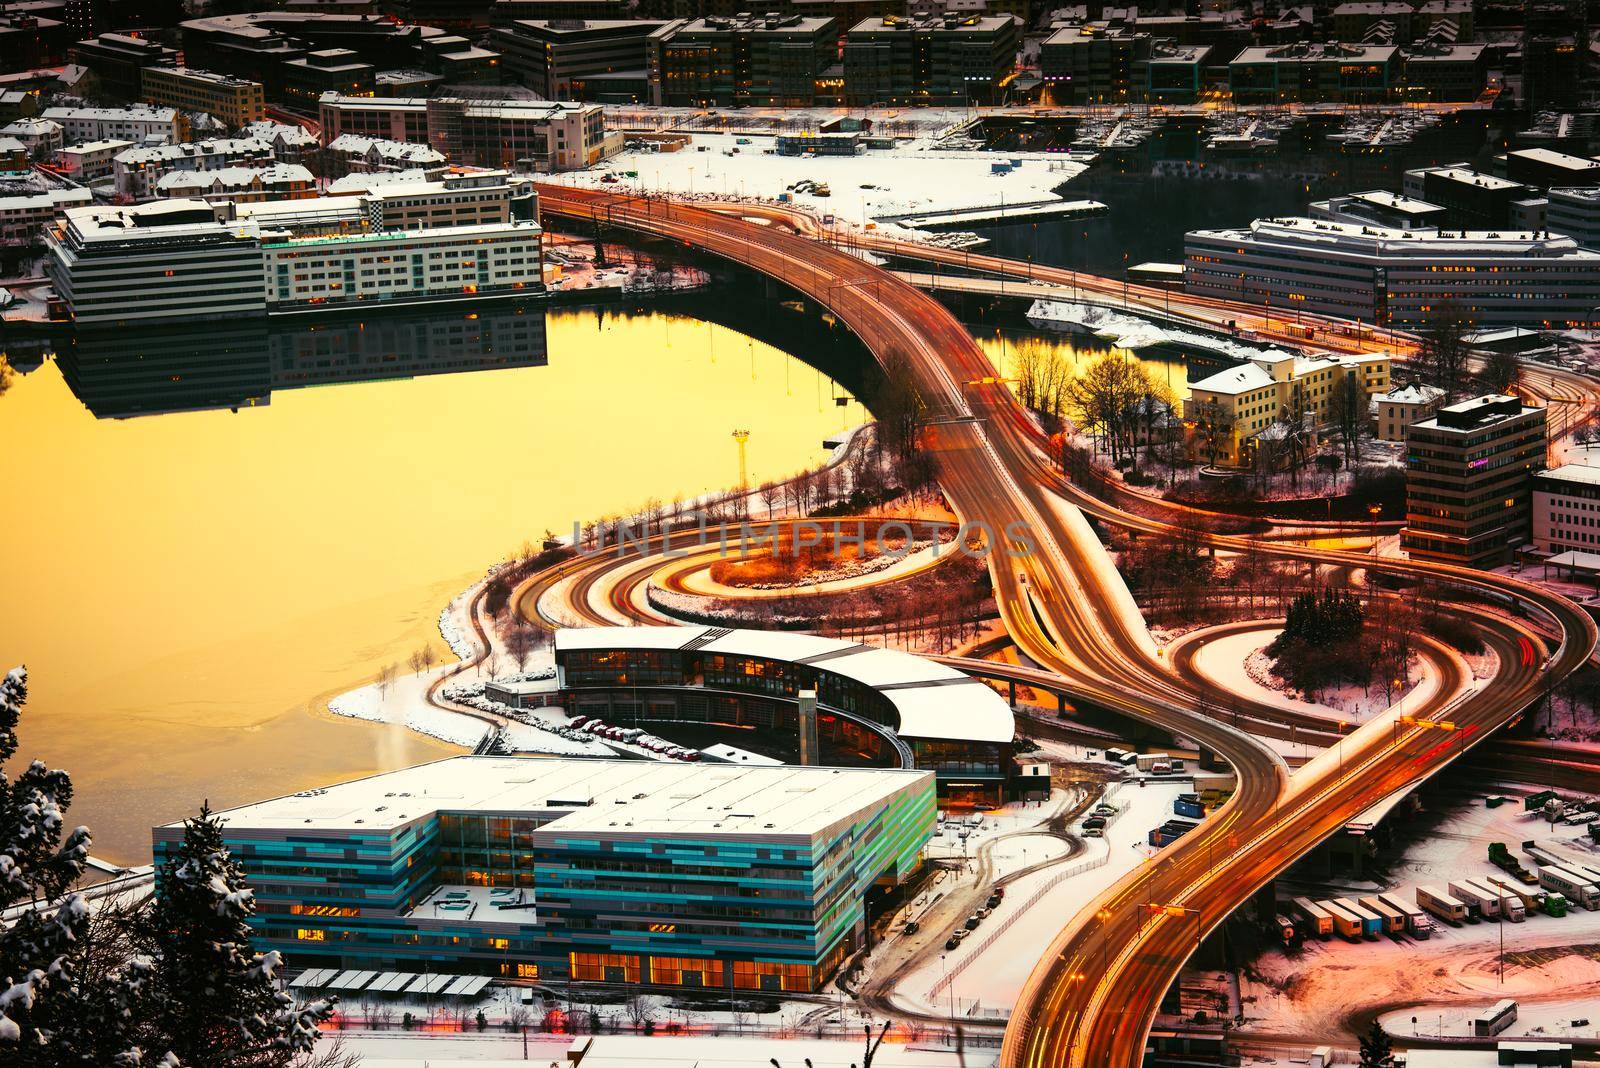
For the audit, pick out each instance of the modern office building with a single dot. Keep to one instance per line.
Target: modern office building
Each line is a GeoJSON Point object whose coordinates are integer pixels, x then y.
{"type": "Point", "coordinates": [197, 260]}
{"type": "Point", "coordinates": [754, 60]}
{"type": "Point", "coordinates": [1541, 168]}
{"type": "Point", "coordinates": [1469, 480]}
{"type": "Point", "coordinates": [1380, 275]}
{"type": "Point", "coordinates": [1576, 213]}
{"type": "Point", "coordinates": [235, 101]}
{"type": "Point", "coordinates": [29, 41]}
{"type": "Point", "coordinates": [119, 60]}
{"type": "Point", "coordinates": [602, 60]}
{"type": "Point", "coordinates": [1379, 207]}
{"type": "Point", "coordinates": [1314, 73]}
{"type": "Point", "coordinates": [1398, 409]}
{"type": "Point", "coordinates": [523, 135]}
{"type": "Point", "coordinates": [1274, 386]}
{"type": "Point", "coordinates": [1566, 509]}
{"type": "Point", "coordinates": [1552, 70]}
{"type": "Point", "coordinates": [1086, 64]}
{"type": "Point", "coordinates": [942, 60]}
{"type": "Point", "coordinates": [138, 123]}
{"type": "Point", "coordinates": [631, 873]}
{"type": "Point", "coordinates": [1436, 70]}
{"type": "Point", "coordinates": [878, 707]}
{"type": "Point", "coordinates": [508, 12]}
{"type": "Point", "coordinates": [1470, 198]}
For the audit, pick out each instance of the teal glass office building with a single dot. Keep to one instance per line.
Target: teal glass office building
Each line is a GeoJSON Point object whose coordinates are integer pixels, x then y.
{"type": "Point", "coordinates": [620, 871]}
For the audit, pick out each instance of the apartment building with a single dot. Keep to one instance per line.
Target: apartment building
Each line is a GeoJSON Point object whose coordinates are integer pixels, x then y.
{"type": "Point", "coordinates": [1272, 387]}
{"type": "Point", "coordinates": [1094, 63]}
{"type": "Point", "coordinates": [243, 185]}
{"type": "Point", "coordinates": [138, 170]}
{"type": "Point", "coordinates": [1435, 70]}
{"type": "Point", "coordinates": [354, 154]}
{"type": "Point", "coordinates": [176, 260]}
{"type": "Point", "coordinates": [1469, 481]}
{"type": "Point", "coordinates": [602, 60]}
{"type": "Point", "coordinates": [138, 123]}
{"type": "Point", "coordinates": [235, 101]}
{"type": "Point", "coordinates": [949, 59]}
{"type": "Point", "coordinates": [1386, 20]}
{"type": "Point", "coordinates": [576, 870]}
{"type": "Point", "coordinates": [528, 135]}
{"type": "Point", "coordinates": [38, 136]}
{"type": "Point", "coordinates": [754, 60]}
{"type": "Point", "coordinates": [1566, 509]}
{"type": "Point", "coordinates": [1314, 73]}
{"type": "Point", "coordinates": [92, 160]}
{"type": "Point", "coordinates": [1397, 409]}
{"type": "Point", "coordinates": [1380, 275]}
{"type": "Point", "coordinates": [24, 216]}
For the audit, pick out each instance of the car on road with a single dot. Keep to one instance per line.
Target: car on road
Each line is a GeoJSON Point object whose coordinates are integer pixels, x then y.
{"type": "Point", "coordinates": [954, 940]}
{"type": "Point", "coordinates": [911, 927]}
{"type": "Point", "coordinates": [972, 923]}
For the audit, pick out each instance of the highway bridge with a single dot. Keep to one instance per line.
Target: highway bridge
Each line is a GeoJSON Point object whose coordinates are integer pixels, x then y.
{"type": "Point", "coordinates": [1096, 989]}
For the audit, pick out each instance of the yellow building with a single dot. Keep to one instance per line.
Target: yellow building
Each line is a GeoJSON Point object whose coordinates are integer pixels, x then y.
{"type": "Point", "coordinates": [1228, 410]}
{"type": "Point", "coordinates": [236, 101]}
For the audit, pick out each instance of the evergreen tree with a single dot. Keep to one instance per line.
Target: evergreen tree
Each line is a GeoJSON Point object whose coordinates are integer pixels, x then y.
{"type": "Point", "coordinates": [37, 866]}
{"type": "Point", "coordinates": [1375, 1049]}
{"type": "Point", "coordinates": [214, 1002]}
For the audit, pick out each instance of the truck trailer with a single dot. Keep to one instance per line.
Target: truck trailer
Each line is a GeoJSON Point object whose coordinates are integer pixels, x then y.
{"type": "Point", "coordinates": [1438, 903]}
{"type": "Point", "coordinates": [1394, 921]}
{"type": "Point", "coordinates": [1509, 905]}
{"type": "Point", "coordinates": [1483, 902]}
{"type": "Point", "coordinates": [1418, 923]}
{"type": "Point", "coordinates": [1371, 923]}
{"type": "Point", "coordinates": [1346, 924]}
{"type": "Point", "coordinates": [1316, 917]}
{"type": "Point", "coordinates": [1576, 889]}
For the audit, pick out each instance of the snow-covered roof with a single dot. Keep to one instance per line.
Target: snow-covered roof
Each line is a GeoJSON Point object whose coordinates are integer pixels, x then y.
{"type": "Point", "coordinates": [1234, 381]}
{"type": "Point", "coordinates": [1578, 473]}
{"type": "Point", "coordinates": [620, 798]}
{"type": "Point", "coordinates": [1413, 393]}
{"type": "Point", "coordinates": [931, 700]}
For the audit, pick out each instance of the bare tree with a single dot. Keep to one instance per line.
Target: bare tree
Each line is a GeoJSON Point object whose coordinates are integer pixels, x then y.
{"type": "Point", "coordinates": [1349, 411]}
{"type": "Point", "coordinates": [385, 678]}
{"type": "Point", "coordinates": [415, 661]}
{"type": "Point", "coordinates": [1213, 427]}
{"type": "Point", "coordinates": [429, 657]}
{"type": "Point", "coordinates": [1443, 354]}
{"type": "Point", "coordinates": [1501, 373]}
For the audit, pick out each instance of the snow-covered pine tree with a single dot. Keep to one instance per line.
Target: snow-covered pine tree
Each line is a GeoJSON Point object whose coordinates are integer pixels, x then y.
{"type": "Point", "coordinates": [37, 865]}
{"type": "Point", "coordinates": [218, 1004]}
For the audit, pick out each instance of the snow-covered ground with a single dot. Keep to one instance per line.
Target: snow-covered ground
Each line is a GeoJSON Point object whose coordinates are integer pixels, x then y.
{"type": "Point", "coordinates": [909, 178]}
{"type": "Point", "coordinates": [1037, 905]}
{"type": "Point", "coordinates": [1135, 332]}
{"type": "Point", "coordinates": [627, 1051]}
{"type": "Point", "coordinates": [1552, 965]}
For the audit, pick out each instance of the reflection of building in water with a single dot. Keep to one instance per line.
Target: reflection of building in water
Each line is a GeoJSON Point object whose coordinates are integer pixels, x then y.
{"type": "Point", "coordinates": [121, 373]}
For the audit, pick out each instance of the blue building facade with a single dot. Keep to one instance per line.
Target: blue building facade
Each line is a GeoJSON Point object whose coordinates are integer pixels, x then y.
{"type": "Point", "coordinates": [631, 872]}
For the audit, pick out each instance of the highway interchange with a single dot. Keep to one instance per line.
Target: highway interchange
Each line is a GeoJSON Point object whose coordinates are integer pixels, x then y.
{"type": "Point", "coordinates": [1097, 987]}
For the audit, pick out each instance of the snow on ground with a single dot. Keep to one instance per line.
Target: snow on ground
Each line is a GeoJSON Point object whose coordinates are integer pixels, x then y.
{"type": "Point", "coordinates": [1551, 962]}
{"type": "Point", "coordinates": [629, 1051]}
{"type": "Point", "coordinates": [1134, 332]}
{"type": "Point", "coordinates": [992, 975]}
{"type": "Point", "coordinates": [879, 182]}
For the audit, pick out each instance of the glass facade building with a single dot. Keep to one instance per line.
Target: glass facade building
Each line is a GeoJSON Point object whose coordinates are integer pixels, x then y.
{"type": "Point", "coordinates": [594, 870]}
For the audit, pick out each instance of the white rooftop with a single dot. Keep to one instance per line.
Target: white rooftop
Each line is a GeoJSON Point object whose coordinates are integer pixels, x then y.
{"type": "Point", "coordinates": [622, 797]}
{"type": "Point", "coordinates": [933, 701]}
{"type": "Point", "coordinates": [1423, 242]}
{"type": "Point", "coordinates": [1582, 474]}
{"type": "Point", "coordinates": [1234, 381]}
{"type": "Point", "coordinates": [1413, 393]}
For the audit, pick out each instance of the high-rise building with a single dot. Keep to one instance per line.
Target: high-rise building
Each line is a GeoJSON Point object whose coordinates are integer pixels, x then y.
{"type": "Point", "coordinates": [577, 59]}
{"type": "Point", "coordinates": [948, 60]}
{"type": "Point", "coordinates": [235, 101]}
{"type": "Point", "coordinates": [1469, 480]}
{"type": "Point", "coordinates": [765, 60]}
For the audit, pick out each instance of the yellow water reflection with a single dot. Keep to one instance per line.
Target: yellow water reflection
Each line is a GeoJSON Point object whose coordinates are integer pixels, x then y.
{"type": "Point", "coordinates": [1007, 349]}
{"type": "Point", "coordinates": [187, 589]}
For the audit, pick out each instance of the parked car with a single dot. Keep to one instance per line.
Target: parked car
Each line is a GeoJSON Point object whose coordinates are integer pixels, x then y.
{"type": "Point", "coordinates": [911, 927]}
{"type": "Point", "coordinates": [954, 940]}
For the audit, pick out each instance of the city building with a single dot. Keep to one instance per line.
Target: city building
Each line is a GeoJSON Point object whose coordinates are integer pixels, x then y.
{"type": "Point", "coordinates": [235, 101]}
{"type": "Point", "coordinates": [389, 118]}
{"type": "Point", "coordinates": [1452, 18]}
{"type": "Point", "coordinates": [299, 54]}
{"type": "Point", "coordinates": [1314, 73]}
{"type": "Point", "coordinates": [277, 181]}
{"type": "Point", "coordinates": [1566, 509]}
{"type": "Point", "coordinates": [18, 104]}
{"type": "Point", "coordinates": [1575, 213]}
{"type": "Point", "coordinates": [1552, 70]}
{"type": "Point", "coordinates": [1380, 275]}
{"type": "Point", "coordinates": [941, 60]}
{"type": "Point", "coordinates": [138, 123]}
{"type": "Point", "coordinates": [1541, 168]}
{"type": "Point", "coordinates": [41, 137]}
{"type": "Point", "coordinates": [755, 60]}
{"type": "Point", "coordinates": [627, 872]}
{"type": "Point", "coordinates": [1469, 481]}
{"type": "Point", "coordinates": [1435, 70]}
{"type": "Point", "coordinates": [877, 706]}
{"type": "Point", "coordinates": [139, 169]}
{"type": "Point", "coordinates": [14, 155]}
{"type": "Point", "coordinates": [28, 40]}
{"type": "Point", "coordinates": [24, 216]}
{"type": "Point", "coordinates": [509, 12]}
{"type": "Point", "coordinates": [1381, 207]}
{"type": "Point", "coordinates": [1270, 388]}
{"type": "Point", "coordinates": [1389, 21]}
{"type": "Point", "coordinates": [91, 160]}
{"type": "Point", "coordinates": [196, 260]}
{"type": "Point", "coordinates": [1471, 199]}
{"type": "Point", "coordinates": [1086, 64]}
{"type": "Point", "coordinates": [606, 61]}
{"type": "Point", "coordinates": [290, 144]}
{"type": "Point", "coordinates": [354, 154]}
{"type": "Point", "coordinates": [1397, 409]}
{"type": "Point", "coordinates": [118, 61]}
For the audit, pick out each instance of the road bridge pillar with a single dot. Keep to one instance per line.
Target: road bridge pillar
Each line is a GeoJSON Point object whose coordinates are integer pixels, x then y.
{"type": "Point", "coordinates": [1011, 693]}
